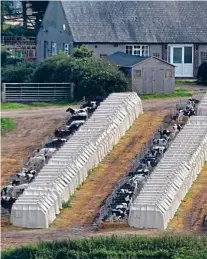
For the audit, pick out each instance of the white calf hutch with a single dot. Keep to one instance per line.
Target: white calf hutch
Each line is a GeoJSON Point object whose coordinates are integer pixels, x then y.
{"type": "Point", "coordinates": [202, 107]}
{"type": "Point", "coordinates": [38, 206]}
{"type": "Point", "coordinates": [170, 181]}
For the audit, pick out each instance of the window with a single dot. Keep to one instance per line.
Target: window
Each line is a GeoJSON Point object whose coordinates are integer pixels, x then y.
{"type": "Point", "coordinates": [54, 47]}
{"type": "Point", "coordinates": [177, 55]}
{"type": "Point", "coordinates": [137, 74]}
{"type": "Point", "coordinates": [168, 73]}
{"type": "Point", "coordinates": [203, 57]}
{"type": "Point", "coordinates": [188, 55]}
{"type": "Point", "coordinates": [129, 50]}
{"type": "Point", "coordinates": [157, 55]}
{"type": "Point", "coordinates": [66, 47]}
{"type": "Point", "coordinates": [139, 50]}
{"type": "Point", "coordinates": [103, 55]}
{"type": "Point", "coordinates": [45, 49]}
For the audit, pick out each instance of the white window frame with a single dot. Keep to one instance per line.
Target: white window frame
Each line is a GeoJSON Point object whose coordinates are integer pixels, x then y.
{"type": "Point", "coordinates": [53, 47]}
{"type": "Point", "coordinates": [138, 50]}
{"type": "Point", "coordinates": [66, 48]}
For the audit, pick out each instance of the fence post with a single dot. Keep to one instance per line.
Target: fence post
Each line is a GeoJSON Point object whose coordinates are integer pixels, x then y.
{"type": "Point", "coordinates": [71, 91]}
{"type": "Point", "coordinates": [3, 93]}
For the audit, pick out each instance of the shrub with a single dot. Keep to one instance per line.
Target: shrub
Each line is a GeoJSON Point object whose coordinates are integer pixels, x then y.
{"type": "Point", "coordinates": [91, 76]}
{"type": "Point", "coordinates": [51, 69]}
{"type": "Point", "coordinates": [7, 59]}
{"type": "Point", "coordinates": [82, 52]}
{"type": "Point", "coordinates": [19, 73]}
{"type": "Point", "coordinates": [5, 54]}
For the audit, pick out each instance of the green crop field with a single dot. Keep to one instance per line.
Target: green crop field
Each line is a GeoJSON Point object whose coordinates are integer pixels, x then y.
{"type": "Point", "coordinates": [165, 247]}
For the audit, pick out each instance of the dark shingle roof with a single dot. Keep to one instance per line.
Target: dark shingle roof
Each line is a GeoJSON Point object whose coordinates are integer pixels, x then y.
{"type": "Point", "coordinates": [125, 60]}
{"type": "Point", "coordinates": [137, 21]}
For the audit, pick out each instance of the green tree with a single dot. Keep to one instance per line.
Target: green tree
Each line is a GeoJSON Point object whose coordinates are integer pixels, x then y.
{"type": "Point", "coordinates": [5, 10]}
{"type": "Point", "coordinates": [82, 52]}
{"type": "Point", "coordinates": [5, 54]}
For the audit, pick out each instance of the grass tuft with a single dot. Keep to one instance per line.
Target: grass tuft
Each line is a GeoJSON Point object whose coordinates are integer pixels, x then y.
{"type": "Point", "coordinates": [179, 92]}
{"type": "Point", "coordinates": [13, 106]}
{"type": "Point", "coordinates": [185, 82]}
{"type": "Point", "coordinates": [67, 204]}
{"type": "Point", "coordinates": [7, 125]}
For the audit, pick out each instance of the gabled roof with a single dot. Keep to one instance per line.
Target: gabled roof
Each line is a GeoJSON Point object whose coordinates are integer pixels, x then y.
{"type": "Point", "coordinates": [137, 21]}
{"type": "Point", "coordinates": [125, 60]}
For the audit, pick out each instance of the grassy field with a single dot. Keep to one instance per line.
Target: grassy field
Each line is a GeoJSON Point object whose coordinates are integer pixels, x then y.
{"type": "Point", "coordinates": [165, 247]}
{"type": "Point", "coordinates": [179, 92]}
{"type": "Point", "coordinates": [7, 124]}
{"type": "Point", "coordinates": [12, 106]}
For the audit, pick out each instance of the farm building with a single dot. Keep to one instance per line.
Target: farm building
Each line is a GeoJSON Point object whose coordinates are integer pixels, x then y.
{"type": "Point", "coordinates": [149, 75]}
{"type": "Point", "coordinates": [38, 206]}
{"type": "Point", "coordinates": [174, 31]}
{"type": "Point", "coordinates": [170, 181]}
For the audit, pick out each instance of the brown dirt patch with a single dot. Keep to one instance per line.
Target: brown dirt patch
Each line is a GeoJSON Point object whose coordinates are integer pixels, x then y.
{"type": "Point", "coordinates": [18, 144]}
{"type": "Point", "coordinates": [189, 217]}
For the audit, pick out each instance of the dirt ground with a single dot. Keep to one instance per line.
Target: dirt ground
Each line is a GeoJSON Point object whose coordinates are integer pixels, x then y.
{"type": "Point", "coordinates": [189, 217]}
{"type": "Point", "coordinates": [30, 132]}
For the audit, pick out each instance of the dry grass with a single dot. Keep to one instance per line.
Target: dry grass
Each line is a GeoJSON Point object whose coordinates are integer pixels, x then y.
{"type": "Point", "coordinates": [102, 179]}
{"type": "Point", "coordinates": [190, 214]}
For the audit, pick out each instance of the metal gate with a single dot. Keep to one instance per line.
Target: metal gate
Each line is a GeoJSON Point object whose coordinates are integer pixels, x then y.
{"type": "Point", "coordinates": [37, 92]}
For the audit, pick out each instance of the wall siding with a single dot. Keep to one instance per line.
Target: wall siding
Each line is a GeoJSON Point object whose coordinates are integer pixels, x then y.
{"type": "Point", "coordinates": [109, 49]}
{"type": "Point", "coordinates": [153, 81]}
{"type": "Point", "coordinates": [53, 21]}
{"type": "Point", "coordinates": [195, 60]}
{"type": "Point", "coordinates": [201, 48]}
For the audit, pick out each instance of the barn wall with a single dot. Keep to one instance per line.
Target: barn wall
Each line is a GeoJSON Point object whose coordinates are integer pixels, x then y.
{"type": "Point", "coordinates": [53, 22]}
{"type": "Point", "coordinates": [153, 79]}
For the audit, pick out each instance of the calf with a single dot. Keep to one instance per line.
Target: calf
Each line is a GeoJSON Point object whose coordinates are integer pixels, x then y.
{"type": "Point", "coordinates": [55, 143]}
{"type": "Point", "coordinates": [76, 111]}
{"type": "Point", "coordinates": [15, 182]}
{"type": "Point", "coordinates": [164, 132]}
{"type": "Point", "coordinates": [79, 117]}
{"type": "Point", "coordinates": [7, 202]}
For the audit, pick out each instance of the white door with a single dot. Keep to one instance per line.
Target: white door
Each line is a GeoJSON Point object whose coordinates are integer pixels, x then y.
{"type": "Point", "coordinates": [181, 56]}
